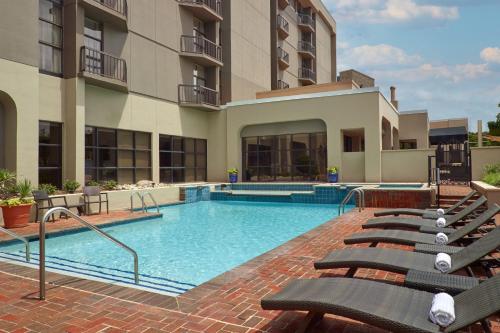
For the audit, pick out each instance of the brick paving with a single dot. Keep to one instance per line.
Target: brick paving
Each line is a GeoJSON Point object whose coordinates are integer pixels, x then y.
{"type": "Point", "coordinates": [228, 303]}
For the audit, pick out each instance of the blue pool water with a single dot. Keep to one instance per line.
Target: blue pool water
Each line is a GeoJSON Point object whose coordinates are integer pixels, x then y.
{"type": "Point", "coordinates": [190, 245]}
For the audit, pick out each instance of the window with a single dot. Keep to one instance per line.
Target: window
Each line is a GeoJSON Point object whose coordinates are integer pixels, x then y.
{"type": "Point", "coordinates": [182, 159]}
{"type": "Point", "coordinates": [120, 155]}
{"type": "Point", "coordinates": [289, 157]}
{"type": "Point", "coordinates": [50, 36]}
{"type": "Point", "coordinates": [408, 144]}
{"type": "Point", "coordinates": [50, 153]}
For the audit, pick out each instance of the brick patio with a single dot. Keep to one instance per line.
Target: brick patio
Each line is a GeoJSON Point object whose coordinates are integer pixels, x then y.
{"type": "Point", "coordinates": [228, 303]}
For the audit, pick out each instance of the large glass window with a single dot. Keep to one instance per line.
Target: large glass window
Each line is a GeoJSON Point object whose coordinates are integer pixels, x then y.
{"type": "Point", "coordinates": [124, 156]}
{"type": "Point", "coordinates": [50, 153]}
{"type": "Point", "coordinates": [182, 159]}
{"type": "Point", "coordinates": [290, 157]}
{"type": "Point", "coordinates": [50, 36]}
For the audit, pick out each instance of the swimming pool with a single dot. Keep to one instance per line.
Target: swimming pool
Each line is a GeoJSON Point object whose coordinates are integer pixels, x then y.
{"type": "Point", "coordinates": [189, 245]}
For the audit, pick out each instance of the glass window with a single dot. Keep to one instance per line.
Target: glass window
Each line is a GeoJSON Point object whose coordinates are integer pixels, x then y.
{"type": "Point", "coordinates": [182, 159]}
{"type": "Point", "coordinates": [297, 157]}
{"type": "Point", "coordinates": [50, 153]}
{"type": "Point", "coordinates": [50, 36]}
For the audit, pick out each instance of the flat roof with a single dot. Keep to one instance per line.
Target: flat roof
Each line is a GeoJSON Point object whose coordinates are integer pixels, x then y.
{"type": "Point", "coordinates": [413, 112]}
{"type": "Point", "coordinates": [448, 131]}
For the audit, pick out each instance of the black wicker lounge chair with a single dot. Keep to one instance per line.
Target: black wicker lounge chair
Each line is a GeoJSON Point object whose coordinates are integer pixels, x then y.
{"type": "Point", "coordinates": [413, 237]}
{"type": "Point", "coordinates": [416, 223]}
{"type": "Point", "coordinates": [425, 213]}
{"type": "Point", "coordinates": [390, 307]}
{"type": "Point", "coordinates": [401, 261]}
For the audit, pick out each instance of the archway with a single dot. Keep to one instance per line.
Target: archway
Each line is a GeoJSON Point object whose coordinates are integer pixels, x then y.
{"type": "Point", "coordinates": [395, 138]}
{"type": "Point", "coordinates": [386, 134]}
{"type": "Point", "coordinates": [8, 132]}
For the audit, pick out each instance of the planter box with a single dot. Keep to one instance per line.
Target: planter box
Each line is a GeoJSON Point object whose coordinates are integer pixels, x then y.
{"type": "Point", "coordinates": [492, 193]}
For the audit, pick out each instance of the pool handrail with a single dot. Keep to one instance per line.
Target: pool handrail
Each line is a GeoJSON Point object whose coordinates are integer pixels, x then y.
{"type": "Point", "coordinates": [361, 194]}
{"type": "Point", "coordinates": [136, 193]}
{"type": "Point", "coordinates": [150, 195]}
{"type": "Point", "coordinates": [91, 227]}
{"type": "Point", "coordinates": [22, 239]}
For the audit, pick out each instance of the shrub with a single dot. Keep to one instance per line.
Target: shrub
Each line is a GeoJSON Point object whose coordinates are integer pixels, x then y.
{"type": "Point", "coordinates": [92, 183]}
{"type": "Point", "coordinates": [17, 194]}
{"type": "Point", "coordinates": [71, 186]}
{"type": "Point", "coordinates": [48, 188]}
{"type": "Point", "coordinates": [492, 174]}
{"type": "Point", "coordinates": [109, 185]}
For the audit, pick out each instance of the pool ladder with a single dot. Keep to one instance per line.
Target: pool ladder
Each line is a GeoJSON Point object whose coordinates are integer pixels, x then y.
{"type": "Point", "coordinates": [22, 239]}
{"type": "Point", "coordinates": [142, 196]}
{"type": "Point", "coordinates": [101, 233]}
{"type": "Point", "coordinates": [361, 196]}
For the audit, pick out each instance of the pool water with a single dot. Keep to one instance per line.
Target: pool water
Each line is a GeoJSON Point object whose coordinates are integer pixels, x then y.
{"type": "Point", "coordinates": [189, 245]}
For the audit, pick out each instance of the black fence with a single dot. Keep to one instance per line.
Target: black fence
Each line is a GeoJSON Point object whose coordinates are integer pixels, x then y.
{"type": "Point", "coordinates": [102, 64]}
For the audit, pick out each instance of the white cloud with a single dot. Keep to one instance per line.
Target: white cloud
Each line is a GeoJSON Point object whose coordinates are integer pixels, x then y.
{"type": "Point", "coordinates": [390, 11]}
{"type": "Point", "coordinates": [377, 55]}
{"type": "Point", "coordinates": [491, 54]}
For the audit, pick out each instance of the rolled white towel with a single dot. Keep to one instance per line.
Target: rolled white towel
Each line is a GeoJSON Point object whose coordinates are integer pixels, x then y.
{"type": "Point", "coordinates": [440, 212]}
{"type": "Point", "coordinates": [443, 262]}
{"type": "Point", "coordinates": [442, 310]}
{"type": "Point", "coordinates": [441, 222]}
{"type": "Point", "coordinates": [441, 239]}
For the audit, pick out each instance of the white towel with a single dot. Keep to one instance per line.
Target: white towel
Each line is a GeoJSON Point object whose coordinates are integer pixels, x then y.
{"type": "Point", "coordinates": [440, 212]}
{"type": "Point", "coordinates": [441, 222]}
{"type": "Point", "coordinates": [441, 239]}
{"type": "Point", "coordinates": [443, 262]}
{"type": "Point", "coordinates": [442, 310]}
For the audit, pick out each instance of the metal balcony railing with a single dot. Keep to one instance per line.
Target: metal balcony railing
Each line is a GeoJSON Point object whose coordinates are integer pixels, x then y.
{"type": "Point", "coordinates": [102, 64]}
{"type": "Point", "coordinates": [282, 23]}
{"type": "Point", "coordinates": [283, 55]}
{"type": "Point", "coordinates": [283, 85]}
{"type": "Point", "coordinates": [194, 94]}
{"type": "Point", "coordinates": [306, 19]}
{"type": "Point", "coordinates": [201, 45]}
{"type": "Point", "coordinates": [307, 74]}
{"type": "Point", "coordinates": [215, 5]}
{"type": "Point", "coordinates": [305, 46]}
{"type": "Point", "coordinates": [119, 6]}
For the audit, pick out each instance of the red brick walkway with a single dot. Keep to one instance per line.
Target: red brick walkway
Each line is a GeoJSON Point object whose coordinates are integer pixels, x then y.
{"type": "Point", "coordinates": [229, 303]}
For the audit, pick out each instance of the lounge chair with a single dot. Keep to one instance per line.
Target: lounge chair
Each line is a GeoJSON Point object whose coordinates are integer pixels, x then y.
{"type": "Point", "coordinates": [403, 310]}
{"type": "Point", "coordinates": [413, 237]}
{"type": "Point", "coordinates": [425, 213]}
{"type": "Point", "coordinates": [416, 223]}
{"type": "Point", "coordinates": [401, 261]}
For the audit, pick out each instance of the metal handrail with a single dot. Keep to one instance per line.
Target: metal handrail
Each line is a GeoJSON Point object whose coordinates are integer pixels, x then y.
{"type": "Point", "coordinates": [91, 227]}
{"type": "Point", "coordinates": [361, 196]}
{"type": "Point", "coordinates": [150, 195]}
{"type": "Point", "coordinates": [132, 201]}
{"type": "Point", "coordinates": [22, 239]}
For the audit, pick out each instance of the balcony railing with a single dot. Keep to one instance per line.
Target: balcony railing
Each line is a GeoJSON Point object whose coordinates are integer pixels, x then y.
{"type": "Point", "coordinates": [307, 74]}
{"type": "Point", "coordinates": [102, 64]}
{"type": "Point", "coordinates": [305, 46]}
{"type": "Point", "coordinates": [283, 26]}
{"type": "Point", "coordinates": [307, 21]}
{"type": "Point", "coordinates": [212, 5]}
{"type": "Point", "coordinates": [283, 55]}
{"type": "Point", "coordinates": [198, 95]}
{"type": "Point", "coordinates": [283, 85]}
{"type": "Point", "coordinates": [119, 6]}
{"type": "Point", "coordinates": [202, 46]}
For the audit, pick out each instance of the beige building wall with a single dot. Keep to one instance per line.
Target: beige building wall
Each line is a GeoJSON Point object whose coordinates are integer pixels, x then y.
{"type": "Point", "coordinates": [482, 156]}
{"type": "Point", "coordinates": [446, 123]}
{"type": "Point", "coordinates": [414, 125]}
{"type": "Point", "coordinates": [323, 52]}
{"type": "Point", "coordinates": [353, 167]}
{"type": "Point", "coordinates": [405, 165]}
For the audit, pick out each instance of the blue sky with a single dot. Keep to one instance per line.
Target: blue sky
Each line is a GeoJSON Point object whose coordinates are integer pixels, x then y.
{"type": "Point", "coordinates": [443, 56]}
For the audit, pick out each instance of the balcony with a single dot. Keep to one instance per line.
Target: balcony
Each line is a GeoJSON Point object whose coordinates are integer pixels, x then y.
{"type": "Point", "coordinates": [283, 85]}
{"type": "Point", "coordinates": [201, 50]}
{"type": "Point", "coordinates": [206, 10]}
{"type": "Point", "coordinates": [306, 22]}
{"type": "Point", "coordinates": [283, 27]}
{"type": "Point", "coordinates": [307, 76]}
{"type": "Point", "coordinates": [283, 4]}
{"type": "Point", "coordinates": [198, 97]}
{"type": "Point", "coordinates": [112, 11]}
{"type": "Point", "coordinates": [306, 49]}
{"type": "Point", "coordinates": [283, 58]}
{"type": "Point", "coordinates": [102, 69]}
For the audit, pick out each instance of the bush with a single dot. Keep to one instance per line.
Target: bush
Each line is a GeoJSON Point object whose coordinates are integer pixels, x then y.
{"type": "Point", "coordinates": [71, 186]}
{"type": "Point", "coordinates": [109, 185]}
{"type": "Point", "coordinates": [48, 188]}
{"type": "Point", "coordinates": [92, 183]}
{"type": "Point", "coordinates": [492, 174]}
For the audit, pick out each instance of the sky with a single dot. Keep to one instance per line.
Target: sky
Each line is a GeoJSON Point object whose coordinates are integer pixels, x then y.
{"type": "Point", "coordinates": [442, 55]}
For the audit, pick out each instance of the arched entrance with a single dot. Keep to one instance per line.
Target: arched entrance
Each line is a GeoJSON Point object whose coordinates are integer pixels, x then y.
{"type": "Point", "coordinates": [8, 132]}
{"type": "Point", "coordinates": [386, 134]}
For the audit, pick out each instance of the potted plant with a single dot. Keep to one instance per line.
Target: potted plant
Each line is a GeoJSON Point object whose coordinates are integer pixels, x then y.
{"type": "Point", "coordinates": [333, 174]}
{"type": "Point", "coordinates": [14, 200]}
{"type": "Point", "coordinates": [71, 186]}
{"type": "Point", "coordinates": [233, 175]}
